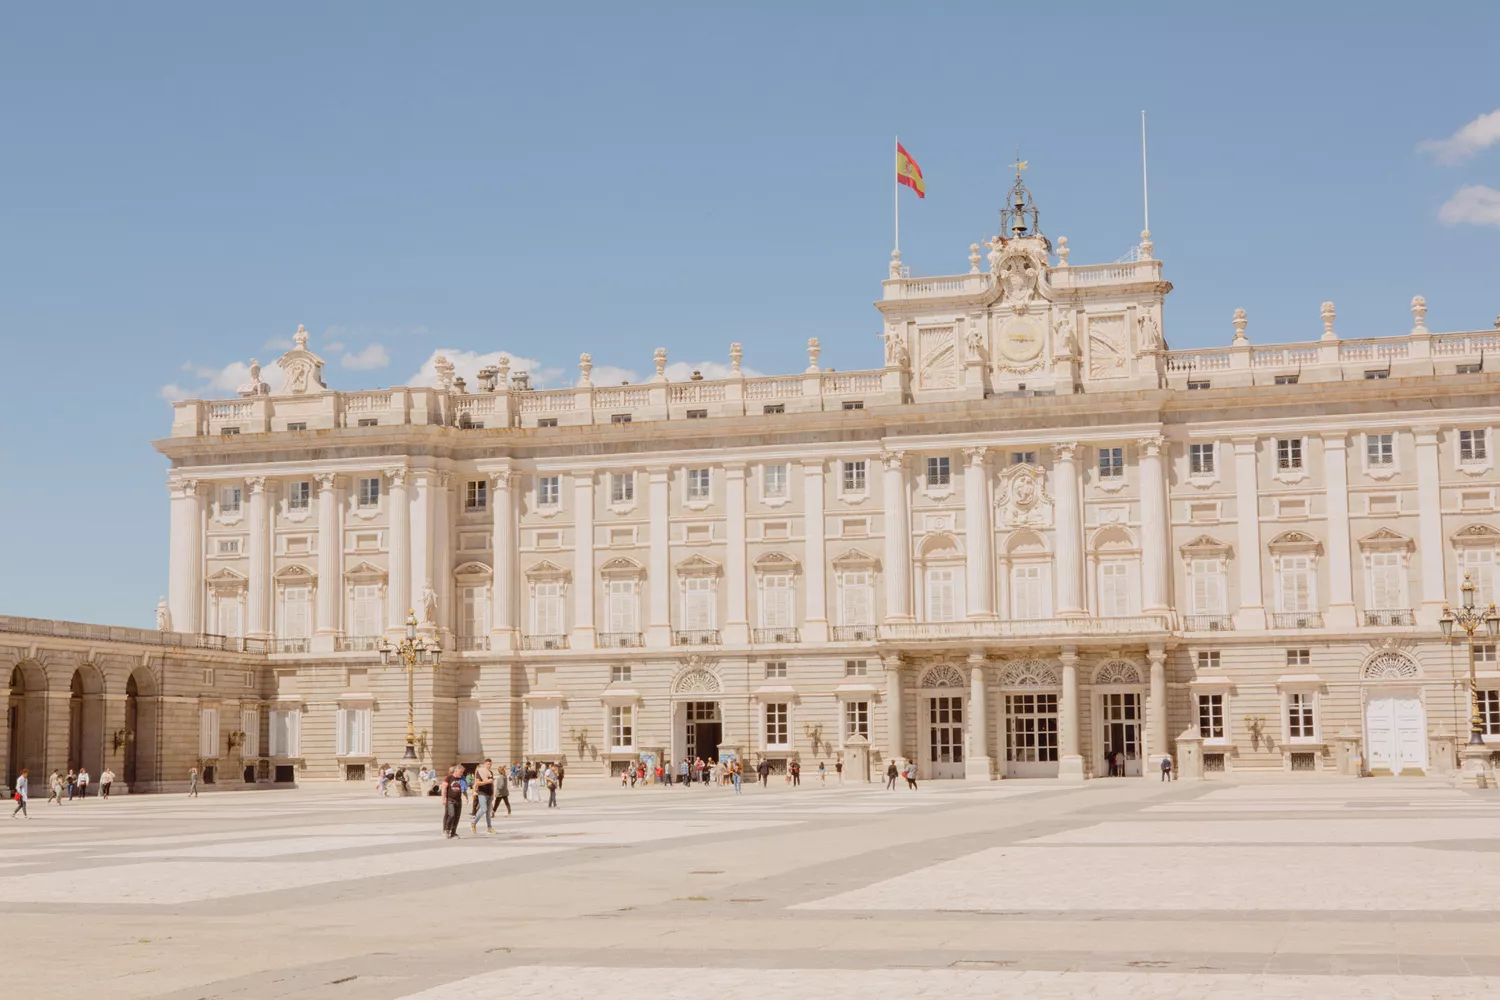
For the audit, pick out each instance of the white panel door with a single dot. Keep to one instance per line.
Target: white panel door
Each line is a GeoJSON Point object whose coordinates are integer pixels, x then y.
{"type": "Point", "coordinates": [1396, 734]}
{"type": "Point", "coordinates": [1411, 733]}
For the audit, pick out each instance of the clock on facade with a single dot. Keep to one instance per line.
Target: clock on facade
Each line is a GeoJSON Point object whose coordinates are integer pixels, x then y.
{"type": "Point", "coordinates": [1020, 340]}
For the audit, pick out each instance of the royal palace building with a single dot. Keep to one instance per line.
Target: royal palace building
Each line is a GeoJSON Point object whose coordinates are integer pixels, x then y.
{"type": "Point", "coordinates": [1031, 539]}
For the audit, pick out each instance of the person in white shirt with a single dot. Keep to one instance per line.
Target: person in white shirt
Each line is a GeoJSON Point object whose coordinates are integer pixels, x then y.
{"type": "Point", "coordinates": [23, 792]}
{"type": "Point", "coordinates": [106, 778]}
{"type": "Point", "coordinates": [83, 782]}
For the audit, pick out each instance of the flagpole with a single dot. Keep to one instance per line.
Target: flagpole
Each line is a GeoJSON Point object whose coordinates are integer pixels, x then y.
{"type": "Point", "coordinates": [896, 191]}
{"type": "Point", "coordinates": [1145, 191]}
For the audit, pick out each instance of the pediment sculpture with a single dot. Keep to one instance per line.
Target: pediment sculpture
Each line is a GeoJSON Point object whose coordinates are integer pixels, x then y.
{"type": "Point", "coordinates": [303, 369]}
{"type": "Point", "coordinates": [1022, 498]}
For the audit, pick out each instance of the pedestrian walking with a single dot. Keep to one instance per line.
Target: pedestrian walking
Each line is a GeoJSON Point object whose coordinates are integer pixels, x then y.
{"type": "Point", "coordinates": [736, 774]}
{"type": "Point", "coordinates": [55, 788]}
{"type": "Point", "coordinates": [192, 782]}
{"type": "Point", "coordinates": [502, 794]}
{"type": "Point", "coordinates": [21, 794]}
{"type": "Point", "coordinates": [106, 778]}
{"type": "Point", "coordinates": [822, 772]}
{"type": "Point", "coordinates": [534, 777]}
{"type": "Point", "coordinates": [484, 797]}
{"type": "Point", "coordinates": [453, 800]}
{"type": "Point", "coordinates": [1166, 768]}
{"type": "Point", "coordinates": [83, 782]}
{"type": "Point", "coordinates": [551, 779]}
{"type": "Point", "coordinates": [796, 774]}
{"type": "Point", "coordinates": [838, 766]}
{"type": "Point", "coordinates": [911, 775]}
{"type": "Point", "coordinates": [764, 770]}
{"type": "Point", "coordinates": [684, 776]}
{"type": "Point", "coordinates": [890, 776]}
{"type": "Point", "coordinates": [72, 783]}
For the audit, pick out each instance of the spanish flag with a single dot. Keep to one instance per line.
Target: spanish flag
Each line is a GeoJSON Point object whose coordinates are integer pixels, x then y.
{"type": "Point", "coordinates": [908, 173]}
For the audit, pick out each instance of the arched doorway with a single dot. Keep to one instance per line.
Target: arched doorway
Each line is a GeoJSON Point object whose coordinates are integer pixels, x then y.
{"type": "Point", "coordinates": [1119, 706]}
{"type": "Point", "coordinates": [86, 720]}
{"type": "Point", "coordinates": [943, 691]}
{"type": "Point", "coordinates": [26, 716]}
{"type": "Point", "coordinates": [140, 731]}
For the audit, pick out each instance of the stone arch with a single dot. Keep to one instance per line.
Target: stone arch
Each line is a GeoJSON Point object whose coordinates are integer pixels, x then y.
{"type": "Point", "coordinates": [940, 545]}
{"type": "Point", "coordinates": [85, 746]}
{"type": "Point", "coordinates": [1114, 538]}
{"type": "Point", "coordinates": [1117, 672]}
{"type": "Point", "coordinates": [1030, 674]}
{"type": "Point", "coordinates": [139, 768]}
{"type": "Point", "coordinates": [1025, 542]}
{"type": "Point", "coordinates": [697, 680]}
{"type": "Point", "coordinates": [26, 718]}
{"type": "Point", "coordinates": [943, 676]}
{"type": "Point", "coordinates": [1390, 665]}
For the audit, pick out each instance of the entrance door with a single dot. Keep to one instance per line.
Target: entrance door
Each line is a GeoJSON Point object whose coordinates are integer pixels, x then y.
{"type": "Point", "coordinates": [945, 737]}
{"type": "Point", "coordinates": [1396, 734]}
{"type": "Point", "coordinates": [1121, 716]}
{"type": "Point", "coordinates": [1031, 736]}
{"type": "Point", "coordinates": [704, 729]}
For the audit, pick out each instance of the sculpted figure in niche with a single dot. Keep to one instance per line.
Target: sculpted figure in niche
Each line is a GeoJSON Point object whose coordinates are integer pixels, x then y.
{"type": "Point", "coordinates": [1150, 333]}
{"type": "Point", "coordinates": [429, 604]}
{"type": "Point", "coordinates": [976, 343]}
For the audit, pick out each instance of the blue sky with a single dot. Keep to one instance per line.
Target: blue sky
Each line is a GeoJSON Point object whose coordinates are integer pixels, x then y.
{"type": "Point", "coordinates": [181, 185]}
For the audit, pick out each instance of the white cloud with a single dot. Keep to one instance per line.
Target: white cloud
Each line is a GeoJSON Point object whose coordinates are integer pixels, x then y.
{"type": "Point", "coordinates": [369, 359]}
{"type": "Point", "coordinates": [217, 382]}
{"type": "Point", "coordinates": [1474, 204]}
{"type": "Point", "coordinates": [466, 364]}
{"type": "Point", "coordinates": [1479, 134]}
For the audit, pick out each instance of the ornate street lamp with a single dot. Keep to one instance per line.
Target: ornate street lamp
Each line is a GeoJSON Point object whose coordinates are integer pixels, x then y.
{"type": "Point", "coordinates": [1471, 619]}
{"type": "Point", "coordinates": [411, 652]}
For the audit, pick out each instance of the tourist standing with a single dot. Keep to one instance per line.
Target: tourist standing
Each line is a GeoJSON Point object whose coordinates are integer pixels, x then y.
{"type": "Point", "coordinates": [796, 774]}
{"type": "Point", "coordinates": [822, 772]}
{"type": "Point", "coordinates": [911, 775]}
{"type": "Point", "coordinates": [192, 782]}
{"type": "Point", "coordinates": [106, 778]}
{"type": "Point", "coordinates": [684, 776]}
{"type": "Point", "coordinates": [54, 788]}
{"type": "Point", "coordinates": [502, 794]}
{"type": "Point", "coordinates": [891, 774]}
{"type": "Point", "coordinates": [453, 800]}
{"type": "Point", "coordinates": [764, 770]}
{"type": "Point", "coordinates": [838, 766]}
{"type": "Point", "coordinates": [72, 783]}
{"type": "Point", "coordinates": [83, 782]}
{"type": "Point", "coordinates": [1166, 769]}
{"type": "Point", "coordinates": [551, 780]}
{"type": "Point", "coordinates": [484, 797]}
{"type": "Point", "coordinates": [22, 793]}
{"type": "Point", "coordinates": [736, 774]}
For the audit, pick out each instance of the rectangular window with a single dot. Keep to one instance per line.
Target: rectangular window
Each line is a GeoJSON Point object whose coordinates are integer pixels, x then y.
{"type": "Point", "coordinates": [1479, 566]}
{"type": "Point", "coordinates": [856, 668]}
{"type": "Point", "coordinates": [698, 603]}
{"type": "Point", "coordinates": [1207, 579]}
{"type": "Point", "coordinates": [698, 484]}
{"type": "Point", "coordinates": [621, 595]}
{"type": "Point", "coordinates": [858, 604]}
{"type": "Point", "coordinates": [470, 732]}
{"type": "Point", "coordinates": [229, 430]}
{"type": "Point", "coordinates": [1473, 446]}
{"type": "Point", "coordinates": [773, 408]}
{"type": "Point", "coordinates": [854, 477]}
{"type": "Point", "coordinates": [476, 494]}
{"type": "Point", "coordinates": [229, 500]}
{"type": "Point", "coordinates": [1211, 716]}
{"type": "Point", "coordinates": [776, 601]}
{"type": "Point", "coordinates": [1299, 657]}
{"type": "Point", "coordinates": [773, 480]}
{"type": "Point", "coordinates": [473, 612]}
{"type": "Point", "coordinates": [547, 609]}
{"type": "Point", "coordinates": [942, 595]}
{"type": "Point", "coordinates": [1485, 652]}
{"type": "Point", "coordinates": [1114, 589]}
{"type": "Point", "coordinates": [938, 472]}
{"type": "Point", "coordinates": [619, 673]}
{"type": "Point", "coordinates": [1296, 592]}
{"type": "Point", "coordinates": [854, 404]}
{"type": "Point", "coordinates": [296, 613]}
{"type": "Point", "coordinates": [1198, 383]}
{"type": "Point", "coordinates": [1380, 450]}
{"type": "Point", "coordinates": [229, 617]}
{"type": "Point", "coordinates": [208, 732]}
{"type": "Point", "coordinates": [229, 547]}
{"type": "Point", "coordinates": [1489, 712]}
{"type": "Point", "coordinates": [1111, 463]}
{"type": "Point", "coordinates": [621, 487]}
{"type": "Point", "coordinates": [297, 425]}
{"type": "Point", "coordinates": [548, 491]}
{"type": "Point", "coordinates": [299, 496]}
{"type": "Point", "coordinates": [1023, 458]}
{"type": "Point", "coordinates": [776, 669]}
{"type": "Point", "coordinates": [367, 492]}
{"type": "Point", "coordinates": [1208, 659]}
{"type": "Point", "coordinates": [250, 726]}
{"type": "Point", "coordinates": [1469, 369]}
{"type": "Point", "coordinates": [546, 421]}
{"type": "Point", "coordinates": [365, 610]}
{"type": "Point", "coordinates": [1285, 380]}
{"type": "Point", "coordinates": [1201, 459]}
{"type": "Point", "coordinates": [619, 418]}
{"type": "Point", "coordinates": [776, 725]}
{"type": "Point", "coordinates": [286, 732]}
{"type": "Point", "coordinates": [368, 422]}
{"type": "Point", "coordinates": [1299, 716]}
{"type": "Point", "coordinates": [1026, 592]}
{"type": "Point", "coordinates": [697, 414]}
{"type": "Point", "coordinates": [1378, 373]}
{"type": "Point", "coordinates": [1386, 583]}
{"type": "Point", "coordinates": [545, 736]}
{"type": "Point", "coordinates": [622, 727]}
{"type": "Point", "coordinates": [353, 739]}
{"type": "Point", "coordinates": [1289, 453]}
{"type": "Point", "coordinates": [856, 719]}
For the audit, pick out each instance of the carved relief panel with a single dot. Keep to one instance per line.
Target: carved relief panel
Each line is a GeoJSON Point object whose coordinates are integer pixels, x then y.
{"type": "Point", "coordinates": [1108, 346]}
{"type": "Point", "coordinates": [939, 358]}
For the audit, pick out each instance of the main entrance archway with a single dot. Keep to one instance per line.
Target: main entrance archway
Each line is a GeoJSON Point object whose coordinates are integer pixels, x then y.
{"type": "Point", "coordinates": [26, 713]}
{"type": "Point", "coordinates": [942, 753]}
{"type": "Point", "coordinates": [1119, 699]}
{"type": "Point", "coordinates": [86, 720]}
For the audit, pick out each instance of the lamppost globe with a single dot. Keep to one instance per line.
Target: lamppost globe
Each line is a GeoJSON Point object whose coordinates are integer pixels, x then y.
{"type": "Point", "coordinates": [1468, 592]}
{"type": "Point", "coordinates": [1492, 623]}
{"type": "Point", "coordinates": [1445, 623]}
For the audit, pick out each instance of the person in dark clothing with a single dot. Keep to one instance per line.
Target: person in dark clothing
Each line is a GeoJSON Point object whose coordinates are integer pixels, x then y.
{"type": "Point", "coordinates": [764, 770]}
{"type": "Point", "coordinates": [796, 774]}
{"type": "Point", "coordinates": [502, 794]}
{"type": "Point", "coordinates": [1166, 769]}
{"type": "Point", "coordinates": [891, 774]}
{"type": "Point", "coordinates": [453, 800]}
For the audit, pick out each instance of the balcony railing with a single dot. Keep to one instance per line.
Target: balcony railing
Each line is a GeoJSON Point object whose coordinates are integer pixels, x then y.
{"type": "Point", "coordinates": [696, 637]}
{"type": "Point", "coordinates": [855, 633]}
{"type": "Point", "coordinates": [1127, 624]}
{"type": "Point", "coordinates": [1389, 618]}
{"type": "Point", "coordinates": [1208, 623]}
{"type": "Point", "coordinates": [544, 642]}
{"type": "Point", "coordinates": [291, 645]}
{"type": "Point", "coordinates": [1297, 619]}
{"type": "Point", "coordinates": [355, 643]}
{"type": "Point", "coordinates": [472, 643]}
{"type": "Point", "coordinates": [620, 640]}
{"type": "Point", "coordinates": [770, 635]}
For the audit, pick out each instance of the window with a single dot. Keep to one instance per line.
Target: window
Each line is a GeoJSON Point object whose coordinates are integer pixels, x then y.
{"type": "Point", "coordinates": [1198, 383]}
{"type": "Point", "coordinates": [229, 500]}
{"type": "Point", "coordinates": [1371, 376]}
{"type": "Point", "coordinates": [1111, 463]}
{"type": "Point", "coordinates": [1206, 577]}
{"type": "Point", "coordinates": [208, 732]}
{"type": "Point", "coordinates": [1027, 596]}
{"type": "Point", "coordinates": [367, 492]}
{"type": "Point", "coordinates": [545, 735]}
{"type": "Point", "coordinates": [857, 606]}
{"type": "Point", "coordinates": [353, 733]}
{"type": "Point", "coordinates": [1286, 379]}
{"type": "Point", "coordinates": [476, 495]}
{"type": "Point", "coordinates": [854, 404]}
{"type": "Point", "coordinates": [1479, 566]}
{"type": "Point", "coordinates": [698, 603]}
{"type": "Point", "coordinates": [1114, 589]}
{"type": "Point", "coordinates": [856, 668]}
{"type": "Point", "coordinates": [773, 480]}
{"type": "Point", "coordinates": [1208, 659]}
{"type": "Point", "coordinates": [697, 414]}
{"type": "Point", "coordinates": [1485, 652]}
{"type": "Point", "coordinates": [299, 495]}
{"type": "Point", "coordinates": [776, 725]}
{"type": "Point", "coordinates": [776, 669]}
{"type": "Point", "coordinates": [856, 719]}
{"type": "Point", "coordinates": [1469, 369]}
{"type": "Point", "coordinates": [1295, 591]}
{"type": "Point", "coordinates": [546, 422]}
{"type": "Point", "coordinates": [229, 617]}
{"type": "Point", "coordinates": [938, 472]}
{"type": "Point", "coordinates": [621, 610]}
{"type": "Point", "coordinates": [1473, 447]}
{"type": "Point", "coordinates": [229, 430]}
{"type": "Point", "coordinates": [470, 732]}
{"type": "Point", "coordinates": [548, 491]}
{"type": "Point", "coordinates": [1211, 716]}
{"type": "Point", "coordinates": [698, 484]}
{"type": "Point", "coordinates": [1299, 715]}
{"type": "Point", "coordinates": [250, 726]}
{"type": "Point", "coordinates": [1201, 459]}
{"type": "Point", "coordinates": [368, 422]}
{"type": "Point", "coordinates": [1289, 453]}
{"type": "Point", "coordinates": [296, 613]}
{"type": "Point", "coordinates": [619, 418]}
{"type": "Point", "coordinates": [854, 477]}
{"type": "Point", "coordinates": [297, 425]}
{"type": "Point", "coordinates": [547, 609]}
{"type": "Point", "coordinates": [473, 612]}
{"type": "Point", "coordinates": [771, 408]}
{"type": "Point", "coordinates": [1299, 657]}
{"type": "Point", "coordinates": [622, 727]}
{"type": "Point", "coordinates": [365, 610]}
{"type": "Point", "coordinates": [228, 547]}
{"type": "Point", "coordinates": [1386, 581]}
{"type": "Point", "coordinates": [1380, 450]}
{"type": "Point", "coordinates": [621, 487]}
{"type": "Point", "coordinates": [286, 732]}
{"type": "Point", "coordinates": [776, 601]}
{"type": "Point", "coordinates": [942, 595]}
{"type": "Point", "coordinates": [1023, 458]}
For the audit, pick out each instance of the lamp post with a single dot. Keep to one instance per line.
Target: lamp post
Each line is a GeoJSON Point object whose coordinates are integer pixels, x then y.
{"type": "Point", "coordinates": [411, 651]}
{"type": "Point", "coordinates": [1471, 619]}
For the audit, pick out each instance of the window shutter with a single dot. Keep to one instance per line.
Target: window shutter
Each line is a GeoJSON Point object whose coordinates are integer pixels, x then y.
{"type": "Point", "coordinates": [229, 618]}
{"type": "Point", "coordinates": [856, 608]}
{"type": "Point", "coordinates": [942, 599]}
{"type": "Point", "coordinates": [548, 609]}
{"type": "Point", "coordinates": [365, 620]}
{"type": "Point", "coordinates": [470, 741]}
{"type": "Point", "coordinates": [778, 601]}
{"type": "Point", "coordinates": [699, 601]}
{"type": "Point", "coordinates": [250, 726]}
{"type": "Point", "coordinates": [621, 606]}
{"type": "Point", "coordinates": [296, 623]}
{"type": "Point", "coordinates": [208, 732]}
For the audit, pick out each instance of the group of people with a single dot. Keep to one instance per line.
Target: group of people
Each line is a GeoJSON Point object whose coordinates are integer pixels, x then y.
{"type": "Point", "coordinates": [715, 771]}
{"type": "Point", "coordinates": [909, 772]}
{"type": "Point", "coordinates": [486, 787]}
{"type": "Point", "coordinates": [60, 787]}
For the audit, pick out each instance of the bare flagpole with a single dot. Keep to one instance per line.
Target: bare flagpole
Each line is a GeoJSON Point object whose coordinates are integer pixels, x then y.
{"type": "Point", "coordinates": [1145, 193]}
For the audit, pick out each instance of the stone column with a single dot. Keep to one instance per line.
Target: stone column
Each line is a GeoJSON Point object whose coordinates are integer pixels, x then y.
{"type": "Point", "coordinates": [258, 598]}
{"type": "Point", "coordinates": [398, 592]}
{"type": "Point", "coordinates": [1252, 612]}
{"type": "Point", "coordinates": [1070, 762]}
{"type": "Point", "coordinates": [895, 722]}
{"type": "Point", "coordinates": [330, 563]}
{"type": "Point", "coordinates": [1430, 543]}
{"type": "Point", "coordinates": [1156, 712]}
{"type": "Point", "coordinates": [1154, 560]}
{"type": "Point", "coordinates": [441, 557]}
{"type": "Point", "coordinates": [1341, 610]}
{"type": "Point", "coordinates": [978, 765]}
{"type": "Point", "coordinates": [583, 560]}
{"type": "Point", "coordinates": [185, 583]}
{"type": "Point", "coordinates": [659, 610]}
{"type": "Point", "coordinates": [503, 562]}
{"type": "Point", "coordinates": [1069, 530]}
{"type": "Point", "coordinates": [421, 501]}
{"type": "Point", "coordinates": [815, 532]}
{"type": "Point", "coordinates": [737, 614]}
{"type": "Point", "coordinates": [897, 539]}
{"type": "Point", "coordinates": [979, 532]}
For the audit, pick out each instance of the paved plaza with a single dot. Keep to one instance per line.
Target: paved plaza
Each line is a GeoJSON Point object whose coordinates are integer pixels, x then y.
{"type": "Point", "coordinates": [1114, 888]}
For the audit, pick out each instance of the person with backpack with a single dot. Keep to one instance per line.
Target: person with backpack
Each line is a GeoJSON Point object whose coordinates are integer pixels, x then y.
{"type": "Point", "coordinates": [891, 774]}
{"type": "Point", "coordinates": [550, 778]}
{"type": "Point", "coordinates": [1166, 768]}
{"type": "Point", "coordinates": [911, 775]}
{"type": "Point", "coordinates": [22, 794]}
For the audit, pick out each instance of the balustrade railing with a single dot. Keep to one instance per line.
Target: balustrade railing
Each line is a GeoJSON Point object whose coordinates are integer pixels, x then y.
{"type": "Point", "coordinates": [1208, 623]}
{"type": "Point", "coordinates": [291, 645]}
{"type": "Point", "coordinates": [1297, 619]}
{"type": "Point", "coordinates": [1388, 617]}
{"type": "Point", "coordinates": [619, 640]}
{"type": "Point", "coordinates": [355, 643]}
{"type": "Point", "coordinates": [772, 635]}
{"type": "Point", "coordinates": [772, 388]}
{"type": "Point", "coordinates": [472, 643]}
{"type": "Point", "coordinates": [696, 637]}
{"type": "Point", "coordinates": [1000, 629]}
{"type": "Point", "coordinates": [544, 642]}
{"type": "Point", "coordinates": [696, 392]}
{"type": "Point", "coordinates": [855, 633]}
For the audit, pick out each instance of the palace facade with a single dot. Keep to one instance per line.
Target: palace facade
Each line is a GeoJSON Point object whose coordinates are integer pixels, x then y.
{"type": "Point", "coordinates": [1032, 538]}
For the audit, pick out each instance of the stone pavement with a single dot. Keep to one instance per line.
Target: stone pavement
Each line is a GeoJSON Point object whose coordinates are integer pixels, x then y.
{"type": "Point", "coordinates": [1116, 888]}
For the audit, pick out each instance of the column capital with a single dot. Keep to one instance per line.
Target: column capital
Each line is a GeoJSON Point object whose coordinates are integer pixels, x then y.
{"type": "Point", "coordinates": [326, 481]}
{"type": "Point", "coordinates": [813, 465]}
{"type": "Point", "coordinates": [500, 478]}
{"type": "Point", "coordinates": [1425, 435]}
{"type": "Point", "coordinates": [978, 658]}
{"type": "Point", "coordinates": [735, 469]}
{"type": "Point", "coordinates": [1151, 445]}
{"type": "Point", "coordinates": [1156, 654]}
{"type": "Point", "coordinates": [977, 455]}
{"type": "Point", "coordinates": [398, 475]}
{"type": "Point", "coordinates": [1068, 655]}
{"type": "Point", "coordinates": [1064, 451]}
{"type": "Point", "coordinates": [257, 484]}
{"type": "Point", "coordinates": [183, 487]}
{"type": "Point", "coordinates": [893, 460]}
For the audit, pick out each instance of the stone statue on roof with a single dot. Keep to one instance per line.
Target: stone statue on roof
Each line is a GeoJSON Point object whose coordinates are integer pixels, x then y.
{"type": "Point", "coordinates": [303, 368]}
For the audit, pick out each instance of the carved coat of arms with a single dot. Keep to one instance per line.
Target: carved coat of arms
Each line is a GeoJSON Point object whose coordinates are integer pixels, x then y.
{"type": "Point", "coordinates": [1022, 498]}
